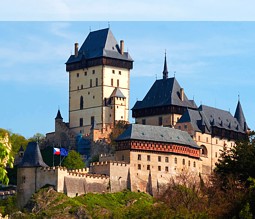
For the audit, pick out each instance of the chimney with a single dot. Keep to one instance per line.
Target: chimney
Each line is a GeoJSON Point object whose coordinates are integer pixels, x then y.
{"type": "Point", "coordinates": [76, 48]}
{"type": "Point", "coordinates": [182, 94]}
{"type": "Point", "coordinates": [122, 47]}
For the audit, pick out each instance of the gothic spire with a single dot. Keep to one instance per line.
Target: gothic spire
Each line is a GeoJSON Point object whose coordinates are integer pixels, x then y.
{"type": "Point", "coordinates": [165, 71]}
{"type": "Point", "coordinates": [239, 115]}
{"type": "Point", "coordinates": [58, 115]}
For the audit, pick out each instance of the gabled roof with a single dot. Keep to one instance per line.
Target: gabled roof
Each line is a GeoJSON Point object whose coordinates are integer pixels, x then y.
{"type": "Point", "coordinates": [164, 92]}
{"type": "Point", "coordinates": [208, 117]}
{"type": "Point", "coordinates": [32, 156]}
{"type": "Point", "coordinates": [157, 134]}
{"type": "Point", "coordinates": [117, 93]}
{"type": "Point", "coordinates": [239, 115]}
{"type": "Point", "coordinates": [100, 43]}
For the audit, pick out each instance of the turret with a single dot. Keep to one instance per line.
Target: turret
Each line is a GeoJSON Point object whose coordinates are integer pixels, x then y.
{"type": "Point", "coordinates": [239, 115]}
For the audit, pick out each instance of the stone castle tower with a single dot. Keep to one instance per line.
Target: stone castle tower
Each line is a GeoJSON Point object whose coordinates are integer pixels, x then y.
{"type": "Point", "coordinates": [99, 83]}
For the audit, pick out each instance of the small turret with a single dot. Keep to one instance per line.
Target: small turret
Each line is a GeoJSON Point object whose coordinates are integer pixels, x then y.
{"type": "Point", "coordinates": [59, 116]}
{"type": "Point", "coordinates": [239, 115]}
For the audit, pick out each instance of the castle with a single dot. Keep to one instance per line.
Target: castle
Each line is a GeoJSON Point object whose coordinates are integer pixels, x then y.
{"type": "Point", "coordinates": [171, 135]}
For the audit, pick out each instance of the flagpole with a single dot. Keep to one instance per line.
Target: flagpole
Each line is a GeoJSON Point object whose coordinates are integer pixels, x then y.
{"type": "Point", "coordinates": [53, 155]}
{"type": "Point", "coordinates": [60, 156]}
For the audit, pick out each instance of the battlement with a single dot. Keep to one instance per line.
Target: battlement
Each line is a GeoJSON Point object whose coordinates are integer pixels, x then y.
{"type": "Point", "coordinates": [88, 175]}
{"type": "Point", "coordinates": [108, 163]}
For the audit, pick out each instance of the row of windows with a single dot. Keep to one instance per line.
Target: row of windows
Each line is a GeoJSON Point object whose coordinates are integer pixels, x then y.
{"type": "Point", "coordinates": [93, 72]}
{"type": "Point", "coordinates": [139, 157]}
{"type": "Point", "coordinates": [96, 83]}
{"type": "Point", "coordinates": [148, 167]}
{"type": "Point", "coordinates": [92, 119]}
{"type": "Point", "coordinates": [160, 121]}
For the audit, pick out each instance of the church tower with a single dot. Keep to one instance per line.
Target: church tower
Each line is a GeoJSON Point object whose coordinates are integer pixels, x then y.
{"type": "Point", "coordinates": [99, 83]}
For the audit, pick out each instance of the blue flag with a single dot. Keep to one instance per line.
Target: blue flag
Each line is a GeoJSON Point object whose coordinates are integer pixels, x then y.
{"type": "Point", "coordinates": [63, 152]}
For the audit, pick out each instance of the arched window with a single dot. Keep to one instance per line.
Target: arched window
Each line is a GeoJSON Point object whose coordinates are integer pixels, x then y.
{"type": "Point", "coordinates": [204, 151]}
{"type": "Point", "coordinates": [81, 102]}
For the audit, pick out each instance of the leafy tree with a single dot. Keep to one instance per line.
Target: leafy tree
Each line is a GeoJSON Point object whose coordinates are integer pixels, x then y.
{"type": "Point", "coordinates": [38, 137]}
{"type": "Point", "coordinates": [118, 129]}
{"type": "Point", "coordinates": [5, 157]}
{"type": "Point", "coordinates": [238, 161]}
{"type": "Point", "coordinates": [73, 161]}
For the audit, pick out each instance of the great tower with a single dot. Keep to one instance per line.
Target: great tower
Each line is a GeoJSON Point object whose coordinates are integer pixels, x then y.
{"type": "Point", "coordinates": [99, 83]}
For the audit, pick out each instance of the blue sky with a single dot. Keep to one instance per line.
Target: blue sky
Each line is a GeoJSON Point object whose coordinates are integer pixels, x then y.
{"type": "Point", "coordinates": [213, 62]}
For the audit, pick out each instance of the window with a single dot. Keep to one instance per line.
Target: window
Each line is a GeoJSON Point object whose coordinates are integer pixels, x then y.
{"type": "Point", "coordinates": [139, 157]}
{"type": "Point", "coordinates": [148, 158]}
{"type": "Point", "coordinates": [175, 160]}
{"type": "Point", "coordinates": [82, 86]}
{"type": "Point", "coordinates": [111, 82]}
{"type": "Point", "coordinates": [118, 82]}
{"type": "Point", "coordinates": [96, 82]}
{"type": "Point", "coordinates": [113, 71]}
{"type": "Point", "coordinates": [122, 157]}
{"type": "Point", "coordinates": [85, 73]}
{"type": "Point", "coordinates": [160, 121]}
{"type": "Point", "coordinates": [159, 158]}
{"type": "Point", "coordinates": [139, 166]}
{"type": "Point", "coordinates": [119, 72]}
{"type": "Point", "coordinates": [81, 102]}
{"type": "Point", "coordinates": [159, 168]}
{"type": "Point", "coordinates": [183, 161]}
{"type": "Point", "coordinates": [166, 169]}
{"type": "Point", "coordinates": [185, 126]}
{"type": "Point", "coordinates": [93, 71]}
{"type": "Point", "coordinates": [189, 163]}
{"type": "Point", "coordinates": [216, 154]}
{"type": "Point", "coordinates": [77, 87]}
{"type": "Point", "coordinates": [148, 167]}
{"type": "Point", "coordinates": [81, 121]}
{"type": "Point", "coordinates": [92, 120]}
{"type": "Point", "coordinates": [90, 82]}
{"type": "Point", "coordinates": [194, 164]}
{"type": "Point", "coordinates": [77, 75]}
{"type": "Point", "coordinates": [203, 151]}
{"type": "Point", "coordinates": [166, 159]}
{"type": "Point", "coordinates": [144, 121]}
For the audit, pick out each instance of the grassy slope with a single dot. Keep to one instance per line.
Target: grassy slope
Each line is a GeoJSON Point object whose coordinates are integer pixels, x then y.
{"type": "Point", "coordinates": [47, 203]}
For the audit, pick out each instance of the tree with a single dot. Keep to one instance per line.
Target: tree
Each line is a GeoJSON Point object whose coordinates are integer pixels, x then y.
{"type": "Point", "coordinates": [73, 161]}
{"type": "Point", "coordinates": [5, 157]}
{"type": "Point", "coordinates": [38, 137]}
{"type": "Point", "coordinates": [239, 161]}
{"type": "Point", "coordinates": [118, 129]}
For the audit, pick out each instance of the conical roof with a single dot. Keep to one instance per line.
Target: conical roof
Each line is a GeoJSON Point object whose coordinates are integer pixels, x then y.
{"type": "Point", "coordinates": [58, 115]}
{"type": "Point", "coordinates": [239, 115]}
{"type": "Point", "coordinates": [32, 156]}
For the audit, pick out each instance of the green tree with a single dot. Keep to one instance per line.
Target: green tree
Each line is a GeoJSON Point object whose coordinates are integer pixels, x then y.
{"type": "Point", "coordinates": [5, 157]}
{"type": "Point", "coordinates": [118, 129]}
{"type": "Point", "coordinates": [238, 161]}
{"type": "Point", "coordinates": [73, 161]}
{"type": "Point", "coordinates": [38, 137]}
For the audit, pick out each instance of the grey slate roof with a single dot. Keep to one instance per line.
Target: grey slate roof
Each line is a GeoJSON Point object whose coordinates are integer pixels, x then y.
{"type": "Point", "coordinates": [32, 156]}
{"type": "Point", "coordinates": [239, 115]}
{"type": "Point", "coordinates": [209, 116]}
{"type": "Point", "coordinates": [100, 43]}
{"type": "Point", "coordinates": [117, 93]}
{"type": "Point", "coordinates": [164, 92]}
{"type": "Point", "coordinates": [157, 134]}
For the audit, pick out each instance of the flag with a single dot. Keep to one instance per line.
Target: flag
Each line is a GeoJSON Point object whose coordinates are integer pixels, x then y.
{"type": "Point", "coordinates": [56, 151]}
{"type": "Point", "coordinates": [63, 152]}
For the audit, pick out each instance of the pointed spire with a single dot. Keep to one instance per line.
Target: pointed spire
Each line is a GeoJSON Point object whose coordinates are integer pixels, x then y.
{"type": "Point", "coordinates": [58, 115]}
{"type": "Point", "coordinates": [239, 115]}
{"type": "Point", "coordinates": [165, 71]}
